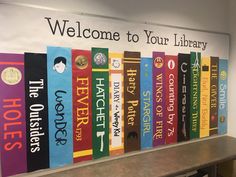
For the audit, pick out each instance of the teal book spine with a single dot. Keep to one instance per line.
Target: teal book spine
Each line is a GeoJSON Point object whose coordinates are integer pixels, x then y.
{"type": "Point", "coordinates": [223, 97]}
{"type": "Point", "coordinates": [60, 106]}
{"type": "Point", "coordinates": [146, 108]}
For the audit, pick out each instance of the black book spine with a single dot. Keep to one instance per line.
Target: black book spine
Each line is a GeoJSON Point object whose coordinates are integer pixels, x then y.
{"type": "Point", "coordinates": [36, 111]}
{"type": "Point", "coordinates": [184, 71]}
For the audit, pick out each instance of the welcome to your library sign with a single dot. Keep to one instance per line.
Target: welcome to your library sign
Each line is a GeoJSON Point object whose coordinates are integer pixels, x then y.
{"type": "Point", "coordinates": [83, 45]}
{"type": "Point", "coordinates": [31, 29]}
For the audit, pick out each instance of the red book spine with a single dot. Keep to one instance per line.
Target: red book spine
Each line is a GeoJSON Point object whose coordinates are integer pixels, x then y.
{"type": "Point", "coordinates": [82, 105]}
{"type": "Point", "coordinates": [171, 68]}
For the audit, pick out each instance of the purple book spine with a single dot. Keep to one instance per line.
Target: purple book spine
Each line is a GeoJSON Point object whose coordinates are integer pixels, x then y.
{"type": "Point", "coordinates": [12, 111]}
{"type": "Point", "coordinates": [158, 99]}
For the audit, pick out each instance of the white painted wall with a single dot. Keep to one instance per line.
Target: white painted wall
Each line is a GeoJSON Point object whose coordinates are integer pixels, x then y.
{"type": "Point", "coordinates": [198, 14]}
{"type": "Point", "coordinates": [213, 15]}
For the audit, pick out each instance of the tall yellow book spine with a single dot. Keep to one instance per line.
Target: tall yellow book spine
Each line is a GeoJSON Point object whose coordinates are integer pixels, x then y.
{"type": "Point", "coordinates": [205, 97]}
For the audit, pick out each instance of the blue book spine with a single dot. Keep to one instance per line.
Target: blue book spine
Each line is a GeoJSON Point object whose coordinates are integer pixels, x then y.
{"type": "Point", "coordinates": [146, 103]}
{"type": "Point", "coordinates": [223, 98]}
{"type": "Point", "coordinates": [60, 106]}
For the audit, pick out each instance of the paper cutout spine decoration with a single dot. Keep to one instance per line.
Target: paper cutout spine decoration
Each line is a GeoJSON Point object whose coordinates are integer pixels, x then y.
{"type": "Point", "coordinates": [82, 105]}
{"type": "Point", "coordinates": [12, 113]}
{"type": "Point", "coordinates": [223, 97]}
{"type": "Point", "coordinates": [60, 106]}
{"type": "Point", "coordinates": [195, 95]}
{"type": "Point", "coordinates": [36, 98]}
{"type": "Point", "coordinates": [205, 97]}
{"type": "Point", "coordinates": [159, 102]}
{"type": "Point", "coordinates": [146, 108]}
{"type": "Point", "coordinates": [116, 90]}
{"type": "Point", "coordinates": [132, 100]}
{"type": "Point", "coordinates": [184, 97]}
{"type": "Point", "coordinates": [171, 71]}
{"type": "Point", "coordinates": [100, 104]}
{"type": "Point", "coordinates": [214, 96]}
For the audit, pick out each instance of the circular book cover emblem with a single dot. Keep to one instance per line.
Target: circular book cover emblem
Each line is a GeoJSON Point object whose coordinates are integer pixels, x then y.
{"type": "Point", "coordinates": [100, 59]}
{"type": "Point", "coordinates": [158, 62]}
{"type": "Point", "coordinates": [171, 64]}
{"type": "Point", "coordinates": [11, 76]}
{"type": "Point", "coordinates": [81, 62]}
{"type": "Point", "coordinates": [222, 119]}
{"type": "Point", "coordinates": [223, 75]}
{"type": "Point", "coordinates": [115, 63]}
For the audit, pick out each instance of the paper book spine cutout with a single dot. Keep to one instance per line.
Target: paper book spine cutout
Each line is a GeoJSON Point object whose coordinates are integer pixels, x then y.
{"type": "Point", "coordinates": [12, 112]}
{"type": "Point", "coordinates": [184, 97]}
{"type": "Point", "coordinates": [214, 96]}
{"type": "Point", "coordinates": [223, 97]}
{"type": "Point", "coordinates": [205, 97]}
{"type": "Point", "coordinates": [159, 117]}
{"type": "Point", "coordinates": [60, 106]}
{"type": "Point", "coordinates": [36, 103]}
{"type": "Point", "coordinates": [82, 105]}
{"type": "Point", "coordinates": [116, 90]}
{"type": "Point", "coordinates": [195, 95]}
{"type": "Point", "coordinates": [132, 100]}
{"type": "Point", "coordinates": [171, 71]}
{"type": "Point", "coordinates": [100, 103]}
{"type": "Point", "coordinates": [146, 120]}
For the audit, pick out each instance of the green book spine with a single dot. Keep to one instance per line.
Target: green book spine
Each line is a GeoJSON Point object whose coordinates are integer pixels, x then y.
{"type": "Point", "coordinates": [195, 95]}
{"type": "Point", "coordinates": [100, 102]}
